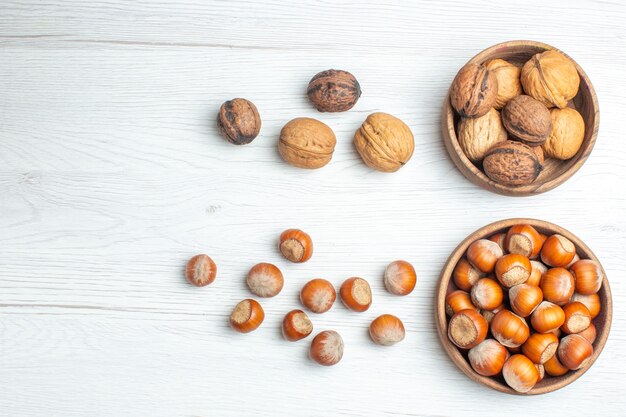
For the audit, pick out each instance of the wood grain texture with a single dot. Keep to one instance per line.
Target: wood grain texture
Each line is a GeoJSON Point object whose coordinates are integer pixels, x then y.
{"type": "Point", "coordinates": [112, 174]}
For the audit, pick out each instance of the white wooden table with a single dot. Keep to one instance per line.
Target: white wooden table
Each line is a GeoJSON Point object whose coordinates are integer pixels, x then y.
{"type": "Point", "coordinates": [112, 175]}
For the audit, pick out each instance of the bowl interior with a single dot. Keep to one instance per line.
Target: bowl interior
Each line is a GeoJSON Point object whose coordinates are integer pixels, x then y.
{"type": "Point", "coordinates": [446, 285]}
{"type": "Point", "coordinates": [555, 172]}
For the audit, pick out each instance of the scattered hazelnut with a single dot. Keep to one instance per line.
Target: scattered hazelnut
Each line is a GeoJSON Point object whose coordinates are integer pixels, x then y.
{"type": "Point", "coordinates": [551, 78]}
{"type": "Point", "coordinates": [265, 280]}
{"type": "Point", "coordinates": [577, 317]}
{"type": "Point", "coordinates": [318, 295]}
{"type": "Point", "coordinates": [478, 134]}
{"type": "Point", "coordinates": [295, 245]}
{"type": "Point", "coordinates": [538, 269]}
{"type": "Point", "coordinates": [247, 316]}
{"type": "Point", "coordinates": [589, 333]}
{"type": "Point", "coordinates": [296, 325]}
{"type": "Point", "coordinates": [508, 75]}
{"type": "Point", "coordinates": [356, 294]}
{"type": "Point", "coordinates": [200, 270]}
{"type": "Point", "coordinates": [523, 239]}
{"type": "Point", "coordinates": [567, 134]}
{"type": "Point", "coordinates": [486, 294]}
{"type": "Point", "coordinates": [400, 278]}
{"type": "Point", "coordinates": [327, 348]}
{"type": "Point", "coordinates": [555, 368]}
{"type": "Point", "coordinates": [527, 120]}
{"type": "Point", "coordinates": [591, 301]}
{"type": "Point", "coordinates": [465, 275]}
{"type": "Point", "coordinates": [474, 91]}
{"type": "Point", "coordinates": [512, 163]}
{"type": "Point", "coordinates": [540, 347]}
{"type": "Point", "coordinates": [483, 255]}
{"type": "Point", "coordinates": [334, 91]}
{"type": "Point", "coordinates": [513, 269]}
{"type": "Point", "coordinates": [384, 142]}
{"type": "Point", "coordinates": [306, 143]}
{"type": "Point", "coordinates": [524, 299]}
{"type": "Point", "coordinates": [547, 317]}
{"type": "Point", "coordinates": [387, 330]}
{"type": "Point", "coordinates": [238, 121]}
{"type": "Point", "coordinates": [509, 329]}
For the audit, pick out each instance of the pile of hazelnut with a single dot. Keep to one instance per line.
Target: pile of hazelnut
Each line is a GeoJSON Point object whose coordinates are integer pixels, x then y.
{"type": "Point", "coordinates": [512, 118]}
{"type": "Point", "coordinates": [265, 280]}
{"type": "Point", "coordinates": [524, 306]}
{"type": "Point", "coordinates": [384, 142]}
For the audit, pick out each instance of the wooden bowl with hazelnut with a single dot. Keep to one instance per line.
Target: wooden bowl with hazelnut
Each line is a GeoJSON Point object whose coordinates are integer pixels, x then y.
{"type": "Point", "coordinates": [520, 118]}
{"type": "Point", "coordinates": [527, 345]}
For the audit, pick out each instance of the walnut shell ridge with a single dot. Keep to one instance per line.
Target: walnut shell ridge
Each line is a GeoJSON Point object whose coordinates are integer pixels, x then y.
{"type": "Point", "coordinates": [306, 143]}
{"type": "Point", "coordinates": [478, 134]}
{"type": "Point", "coordinates": [384, 142]}
{"type": "Point", "coordinates": [333, 91]}
{"type": "Point", "coordinates": [512, 163]}
{"type": "Point", "coordinates": [238, 121]}
{"type": "Point", "coordinates": [551, 78]}
{"type": "Point", "coordinates": [527, 120]}
{"type": "Point", "coordinates": [473, 91]}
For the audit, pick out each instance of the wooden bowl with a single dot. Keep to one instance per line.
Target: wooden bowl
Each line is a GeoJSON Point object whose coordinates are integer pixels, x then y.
{"type": "Point", "coordinates": [446, 285]}
{"type": "Point", "coordinates": [555, 172]}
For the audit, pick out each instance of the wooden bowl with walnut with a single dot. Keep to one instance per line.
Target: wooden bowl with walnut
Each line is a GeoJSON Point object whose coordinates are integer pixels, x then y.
{"type": "Point", "coordinates": [554, 172]}
{"type": "Point", "coordinates": [602, 321]}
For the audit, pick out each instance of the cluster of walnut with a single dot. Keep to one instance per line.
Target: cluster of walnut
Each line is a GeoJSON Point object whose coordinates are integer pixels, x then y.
{"type": "Point", "coordinates": [384, 142]}
{"type": "Point", "coordinates": [511, 117]}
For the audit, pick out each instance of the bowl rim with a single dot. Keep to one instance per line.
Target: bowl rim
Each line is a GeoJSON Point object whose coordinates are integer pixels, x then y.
{"type": "Point", "coordinates": [478, 177]}
{"type": "Point", "coordinates": [442, 322]}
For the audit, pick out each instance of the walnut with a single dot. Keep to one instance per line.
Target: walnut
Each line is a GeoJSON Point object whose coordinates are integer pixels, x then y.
{"type": "Point", "coordinates": [478, 134]}
{"type": "Point", "coordinates": [238, 121]}
{"type": "Point", "coordinates": [334, 91]}
{"type": "Point", "coordinates": [306, 143]}
{"type": "Point", "coordinates": [473, 91]}
{"type": "Point", "coordinates": [512, 163]}
{"type": "Point", "coordinates": [384, 142]}
{"type": "Point", "coordinates": [527, 120]}
{"type": "Point", "coordinates": [551, 78]}
{"type": "Point", "coordinates": [568, 132]}
{"type": "Point", "coordinates": [509, 85]}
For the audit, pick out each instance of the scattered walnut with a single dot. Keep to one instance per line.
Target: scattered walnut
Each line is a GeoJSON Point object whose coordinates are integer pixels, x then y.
{"type": "Point", "coordinates": [551, 78]}
{"type": "Point", "coordinates": [238, 121]}
{"type": "Point", "coordinates": [568, 132]}
{"type": "Point", "coordinates": [334, 91]}
{"type": "Point", "coordinates": [473, 91]}
{"type": "Point", "coordinates": [512, 163]}
{"type": "Point", "coordinates": [306, 143]}
{"type": "Point", "coordinates": [509, 85]}
{"type": "Point", "coordinates": [478, 134]}
{"type": "Point", "coordinates": [527, 119]}
{"type": "Point", "coordinates": [384, 142]}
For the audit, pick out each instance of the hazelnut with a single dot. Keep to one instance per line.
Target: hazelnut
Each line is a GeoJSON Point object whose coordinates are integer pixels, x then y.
{"type": "Point", "coordinates": [333, 91]}
{"type": "Point", "coordinates": [400, 278]}
{"type": "Point", "coordinates": [306, 143]}
{"type": "Point", "coordinates": [200, 270]}
{"type": "Point", "coordinates": [296, 325]}
{"type": "Point", "coordinates": [247, 316]}
{"type": "Point", "coordinates": [238, 121]}
{"type": "Point", "coordinates": [527, 120]}
{"type": "Point", "coordinates": [474, 90]}
{"type": "Point", "coordinates": [384, 142]}
{"type": "Point", "coordinates": [295, 245]}
{"type": "Point", "coordinates": [509, 85]}
{"type": "Point", "coordinates": [318, 295]}
{"type": "Point", "coordinates": [387, 330]}
{"type": "Point", "coordinates": [356, 294]}
{"type": "Point", "coordinates": [327, 348]}
{"type": "Point", "coordinates": [551, 78]}
{"type": "Point", "coordinates": [512, 163]}
{"type": "Point", "coordinates": [265, 280]}
{"type": "Point", "coordinates": [478, 134]}
{"type": "Point", "coordinates": [567, 134]}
